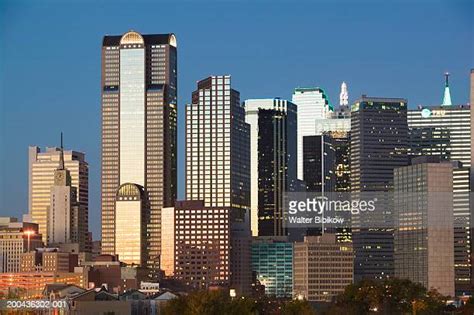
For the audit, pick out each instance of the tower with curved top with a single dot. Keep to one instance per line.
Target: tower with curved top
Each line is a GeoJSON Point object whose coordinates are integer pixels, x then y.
{"type": "Point", "coordinates": [139, 112]}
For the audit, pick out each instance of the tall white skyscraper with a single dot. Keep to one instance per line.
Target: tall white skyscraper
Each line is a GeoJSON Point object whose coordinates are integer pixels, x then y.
{"type": "Point", "coordinates": [313, 104]}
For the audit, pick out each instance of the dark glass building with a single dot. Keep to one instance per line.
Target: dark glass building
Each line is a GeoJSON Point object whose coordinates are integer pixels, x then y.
{"type": "Point", "coordinates": [273, 162]}
{"type": "Point", "coordinates": [379, 140]}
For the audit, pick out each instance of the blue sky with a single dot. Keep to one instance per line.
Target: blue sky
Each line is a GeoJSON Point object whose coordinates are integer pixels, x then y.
{"type": "Point", "coordinates": [50, 62]}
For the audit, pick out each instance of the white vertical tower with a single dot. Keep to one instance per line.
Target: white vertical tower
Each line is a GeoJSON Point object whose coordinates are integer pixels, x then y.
{"type": "Point", "coordinates": [312, 104]}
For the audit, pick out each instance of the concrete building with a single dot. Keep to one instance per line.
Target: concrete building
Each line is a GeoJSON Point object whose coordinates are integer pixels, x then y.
{"type": "Point", "coordinates": [272, 162]}
{"type": "Point", "coordinates": [203, 248]}
{"type": "Point", "coordinates": [272, 264]}
{"type": "Point", "coordinates": [42, 167]}
{"type": "Point", "coordinates": [16, 238]}
{"type": "Point", "coordinates": [312, 104]}
{"type": "Point", "coordinates": [379, 141]}
{"type": "Point", "coordinates": [48, 260]}
{"type": "Point", "coordinates": [167, 241]}
{"type": "Point", "coordinates": [423, 216]}
{"type": "Point", "coordinates": [66, 216]}
{"type": "Point", "coordinates": [139, 133]}
{"type": "Point", "coordinates": [445, 132]}
{"type": "Point", "coordinates": [322, 268]}
{"type": "Point", "coordinates": [218, 164]}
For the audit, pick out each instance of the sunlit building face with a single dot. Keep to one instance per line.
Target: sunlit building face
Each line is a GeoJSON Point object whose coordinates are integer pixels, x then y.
{"type": "Point", "coordinates": [139, 111]}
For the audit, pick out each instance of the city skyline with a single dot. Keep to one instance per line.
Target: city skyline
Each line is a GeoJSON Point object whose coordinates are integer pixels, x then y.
{"type": "Point", "coordinates": [84, 133]}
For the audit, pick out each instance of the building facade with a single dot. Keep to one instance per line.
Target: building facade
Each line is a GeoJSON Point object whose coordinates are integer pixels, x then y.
{"type": "Point", "coordinates": [139, 112]}
{"type": "Point", "coordinates": [322, 268]}
{"type": "Point", "coordinates": [379, 141]}
{"type": "Point", "coordinates": [272, 264]}
{"type": "Point", "coordinates": [272, 162]}
{"type": "Point", "coordinates": [444, 131]}
{"type": "Point", "coordinates": [41, 179]}
{"type": "Point", "coordinates": [66, 216]}
{"type": "Point", "coordinates": [202, 245]}
{"type": "Point", "coordinates": [218, 164]}
{"type": "Point", "coordinates": [312, 104]}
{"type": "Point", "coordinates": [16, 238]}
{"type": "Point", "coordinates": [424, 227]}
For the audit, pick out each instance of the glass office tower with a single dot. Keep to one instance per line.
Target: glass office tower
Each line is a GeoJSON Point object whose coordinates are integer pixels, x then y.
{"type": "Point", "coordinates": [379, 140]}
{"type": "Point", "coordinates": [218, 164]}
{"type": "Point", "coordinates": [272, 161]}
{"type": "Point", "coordinates": [139, 110]}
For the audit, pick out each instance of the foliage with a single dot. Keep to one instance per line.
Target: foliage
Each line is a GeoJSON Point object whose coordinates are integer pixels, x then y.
{"type": "Point", "coordinates": [219, 302]}
{"type": "Point", "coordinates": [393, 296]}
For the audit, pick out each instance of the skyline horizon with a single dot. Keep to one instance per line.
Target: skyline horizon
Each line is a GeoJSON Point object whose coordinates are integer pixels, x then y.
{"type": "Point", "coordinates": [86, 135]}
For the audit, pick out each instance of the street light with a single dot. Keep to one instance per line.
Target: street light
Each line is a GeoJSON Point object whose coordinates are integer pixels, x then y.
{"type": "Point", "coordinates": [28, 234]}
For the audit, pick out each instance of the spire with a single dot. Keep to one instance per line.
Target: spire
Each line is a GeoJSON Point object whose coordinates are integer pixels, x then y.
{"type": "Point", "coordinates": [61, 156]}
{"type": "Point", "coordinates": [447, 93]}
{"type": "Point", "coordinates": [344, 96]}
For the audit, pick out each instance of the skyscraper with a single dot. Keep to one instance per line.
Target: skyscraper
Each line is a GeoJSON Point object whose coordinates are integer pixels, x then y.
{"type": "Point", "coordinates": [379, 139]}
{"type": "Point", "coordinates": [272, 161]}
{"type": "Point", "coordinates": [218, 163]}
{"type": "Point", "coordinates": [444, 131]}
{"type": "Point", "coordinates": [42, 169]}
{"type": "Point", "coordinates": [66, 216]}
{"type": "Point", "coordinates": [423, 220]}
{"type": "Point", "coordinates": [139, 109]}
{"type": "Point", "coordinates": [313, 104]}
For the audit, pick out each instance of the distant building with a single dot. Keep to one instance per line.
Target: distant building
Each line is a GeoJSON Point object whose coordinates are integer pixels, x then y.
{"type": "Point", "coordinates": [379, 143]}
{"type": "Point", "coordinates": [48, 260]}
{"type": "Point", "coordinates": [445, 132]}
{"type": "Point", "coordinates": [42, 167]}
{"type": "Point", "coordinates": [312, 104]}
{"type": "Point", "coordinates": [139, 134]}
{"type": "Point", "coordinates": [202, 250]}
{"type": "Point", "coordinates": [272, 162]}
{"type": "Point", "coordinates": [167, 241]}
{"type": "Point", "coordinates": [272, 263]}
{"type": "Point", "coordinates": [218, 165]}
{"type": "Point", "coordinates": [67, 218]}
{"type": "Point", "coordinates": [423, 216]}
{"type": "Point", "coordinates": [322, 268]}
{"type": "Point", "coordinates": [319, 156]}
{"type": "Point", "coordinates": [16, 238]}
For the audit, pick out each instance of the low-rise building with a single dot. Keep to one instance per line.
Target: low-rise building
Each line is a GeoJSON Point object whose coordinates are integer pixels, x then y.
{"type": "Point", "coordinates": [322, 268]}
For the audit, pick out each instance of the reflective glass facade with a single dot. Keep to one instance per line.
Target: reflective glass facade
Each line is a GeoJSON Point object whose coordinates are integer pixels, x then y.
{"type": "Point", "coordinates": [272, 263]}
{"type": "Point", "coordinates": [132, 116]}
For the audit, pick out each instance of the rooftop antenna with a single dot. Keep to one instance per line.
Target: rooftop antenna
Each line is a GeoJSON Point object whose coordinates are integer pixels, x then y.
{"type": "Point", "coordinates": [447, 93]}
{"type": "Point", "coordinates": [61, 156]}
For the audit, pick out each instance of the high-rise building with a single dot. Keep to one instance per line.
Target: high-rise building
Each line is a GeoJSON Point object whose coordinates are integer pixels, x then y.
{"type": "Point", "coordinates": [139, 112]}
{"type": "Point", "coordinates": [272, 263]}
{"type": "Point", "coordinates": [444, 131]}
{"type": "Point", "coordinates": [319, 163]}
{"type": "Point", "coordinates": [16, 238]}
{"type": "Point", "coordinates": [272, 162]}
{"type": "Point", "coordinates": [312, 104]}
{"type": "Point", "coordinates": [424, 224]}
{"type": "Point", "coordinates": [202, 245]}
{"type": "Point", "coordinates": [379, 139]}
{"type": "Point", "coordinates": [471, 103]}
{"type": "Point", "coordinates": [42, 169]}
{"type": "Point", "coordinates": [66, 216]}
{"type": "Point", "coordinates": [322, 268]}
{"type": "Point", "coordinates": [218, 164]}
